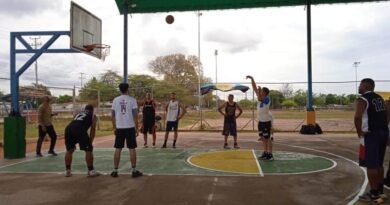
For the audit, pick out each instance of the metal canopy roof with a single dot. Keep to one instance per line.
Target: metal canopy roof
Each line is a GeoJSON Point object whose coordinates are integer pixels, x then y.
{"type": "Point", "coordinates": [154, 6]}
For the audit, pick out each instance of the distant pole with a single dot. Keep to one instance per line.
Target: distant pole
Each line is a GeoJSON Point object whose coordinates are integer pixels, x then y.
{"type": "Point", "coordinates": [36, 44]}
{"type": "Point", "coordinates": [200, 72]}
{"type": "Point", "coordinates": [81, 80]}
{"type": "Point", "coordinates": [216, 77]}
{"type": "Point", "coordinates": [356, 64]}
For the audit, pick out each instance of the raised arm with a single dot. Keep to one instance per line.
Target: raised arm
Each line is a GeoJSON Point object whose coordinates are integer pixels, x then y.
{"type": "Point", "coordinates": [256, 89]}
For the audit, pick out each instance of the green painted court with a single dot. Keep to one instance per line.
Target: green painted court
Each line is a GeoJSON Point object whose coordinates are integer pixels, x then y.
{"type": "Point", "coordinates": [209, 162]}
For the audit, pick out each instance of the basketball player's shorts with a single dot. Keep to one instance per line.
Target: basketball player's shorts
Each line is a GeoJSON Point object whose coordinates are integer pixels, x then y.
{"type": "Point", "coordinates": [125, 135]}
{"type": "Point", "coordinates": [148, 126]}
{"type": "Point", "coordinates": [373, 149]}
{"type": "Point", "coordinates": [264, 129]}
{"type": "Point", "coordinates": [76, 134]}
{"type": "Point", "coordinates": [172, 125]}
{"type": "Point", "coordinates": [229, 128]}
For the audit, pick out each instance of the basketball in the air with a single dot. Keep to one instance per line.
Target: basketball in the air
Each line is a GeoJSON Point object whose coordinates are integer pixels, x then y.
{"type": "Point", "coordinates": [169, 19]}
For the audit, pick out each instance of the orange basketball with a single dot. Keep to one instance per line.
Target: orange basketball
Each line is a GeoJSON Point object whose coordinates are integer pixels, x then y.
{"type": "Point", "coordinates": [169, 19]}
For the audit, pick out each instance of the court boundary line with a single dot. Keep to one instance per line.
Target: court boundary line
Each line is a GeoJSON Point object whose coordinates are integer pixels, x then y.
{"type": "Point", "coordinates": [365, 183]}
{"type": "Point", "coordinates": [257, 162]}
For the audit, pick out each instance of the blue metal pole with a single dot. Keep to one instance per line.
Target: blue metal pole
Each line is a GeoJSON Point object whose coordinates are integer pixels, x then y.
{"type": "Point", "coordinates": [125, 44]}
{"type": "Point", "coordinates": [309, 63]}
{"type": "Point", "coordinates": [14, 78]}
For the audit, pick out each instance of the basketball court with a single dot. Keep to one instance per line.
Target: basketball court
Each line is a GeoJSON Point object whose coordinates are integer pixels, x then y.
{"type": "Point", "coordinates": [318, 169]}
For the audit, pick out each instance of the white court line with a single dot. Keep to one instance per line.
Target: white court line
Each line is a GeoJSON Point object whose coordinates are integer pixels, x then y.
{"type": "Point", "coordinates": [365, 183]}
{"type": "Point", "coordinates": [258, 164]}
{"type": "Point", "coordinates": [36, 158]}
{"type": "Point", "coordinates": [211, 195]}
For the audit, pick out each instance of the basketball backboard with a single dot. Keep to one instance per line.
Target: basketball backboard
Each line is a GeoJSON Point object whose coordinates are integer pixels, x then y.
{"type": "Point", "coordinates": [85, 29]}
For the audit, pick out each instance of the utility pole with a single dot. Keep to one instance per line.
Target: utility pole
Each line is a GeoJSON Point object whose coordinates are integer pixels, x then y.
{"type": "Point", "coordinates": [216, 77]}
{"type": "Point", "coordinates": [36, 44]}
{"type": "Point", "coordinates": [81, 79]}
{"type": "Point", "coordinates": [356, 64]}
{"type": "Point", "coordinates": [199, 14]}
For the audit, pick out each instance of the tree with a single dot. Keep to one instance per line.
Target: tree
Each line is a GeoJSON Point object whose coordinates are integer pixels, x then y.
{"type": "Point", "coordinates": [178, 69]}
{"type": "Point", "coordinates": [90, 91]}
{"type": "Point", "coordinates": [64, 99]}
{"type": "Point", "coordinates": [111, 78]}
{"type": "Point", "coordinates": [141, 84]}
{"type": "Point", "coordinates": [247, 104]}
{"type": "Point", "coordinates": [276, 98]}
{"type": "Point", "coordinates": [351, 98]}
{"type": "Point", "coordinates": [288, 103]}
{"type": "Point", "coordinates": [286, 90]}
{"type": "Point", "coordinates": [319, 100]}
{"type": "Point", "coordinates": [331, 99]}
{"type": "Point", "coordinates": [300, 97]}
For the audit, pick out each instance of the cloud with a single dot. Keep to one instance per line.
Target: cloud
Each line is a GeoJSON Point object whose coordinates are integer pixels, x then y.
{"type": "Point", "coordinates": [17, 8]}
{"type": "Point", "coordinates": [234, 42]}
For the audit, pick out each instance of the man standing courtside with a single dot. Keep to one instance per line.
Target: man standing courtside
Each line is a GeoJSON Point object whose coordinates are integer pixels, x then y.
{"type": "Point", "coordinates": [46, 127]}
{"type": "Point", "coordinates": [125, 123]}
{"type": "Point", "coordinates": [148, 119]}
{"type": "Point", "coordinates": [173, 116]}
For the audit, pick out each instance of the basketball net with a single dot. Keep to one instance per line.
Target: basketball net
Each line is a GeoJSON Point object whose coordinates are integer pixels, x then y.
{"type": "Point", "coordinates": [102, 49]}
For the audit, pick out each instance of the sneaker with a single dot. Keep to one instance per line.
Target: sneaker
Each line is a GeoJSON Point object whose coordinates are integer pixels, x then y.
{"type": "Point", "coordinates": [386, 183]}
{"type": "Point", "coordinates": [164, 146]}
{"type": "Point", "coordinates": [226, 146]}
{"type": "Point", "coordinates": [153, 146]}
{"type": "Point", "coordinates": [174, 146]}
{"type": "Point", "coordinates": [383, 195]}
{"type": "Point", "coordinates": [68, 173]}
{"type": "Point", "coordinates": [369, 197]}
{"type": "Point", "coordinates": [39, 155]}
{"type": "Point", "coordinates": [114, 174]}
{"type": "Point", "coordinates": [269, 157]}
{"type": "Point", "coordinates": [94, 173]}
{"type": "Point", "coordinates": [236, 146]}
{"type": "Point", "coordinates": [146, 146]}
{"type": "Point", "coordinates": [136, 173]}
{"type": "Point", "coordinates": [52, 153]}
{"type": "Point", "coordinates": [263, 156]}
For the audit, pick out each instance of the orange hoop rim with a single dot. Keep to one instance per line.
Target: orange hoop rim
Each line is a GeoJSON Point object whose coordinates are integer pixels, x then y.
{"type": "Point", "coordinates": [91, 47]}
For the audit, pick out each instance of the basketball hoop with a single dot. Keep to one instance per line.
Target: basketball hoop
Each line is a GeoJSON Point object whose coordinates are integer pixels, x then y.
{"type": "Point", "coordinates": [101, 50]}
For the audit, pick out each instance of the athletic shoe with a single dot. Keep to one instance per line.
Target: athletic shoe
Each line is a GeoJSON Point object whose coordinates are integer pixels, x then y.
{"type": "Point", "coordinates": [369, 197]}
{"type": "Point", "coordinates": [269, 157]}
{"type": "Point", "coordinates": [383, 196]}
{"type": "Point", "coordinates": [263, 156]}
{"type": "Point", "coordinates": [153, 146]}
{"type": "Point", "coordinates": [164, 146]}
{"type": "Point", "coordinates": [136, 173]}
{"type": "Point", "coordinates": [386, 183]}
{"type": "Point", "coordinates": [236, 146]}
{"type": "Point", "coordinates": [39, 155]}
{"type": "Point", "coordinates": [94, 173]}
{"type": "Point", "coordinates": [146, 146]}
{"type": "Point", "coordinates": [114, 174]}
{"type": "Point", "coordinates": [226, 146]}
{"type": "Point", "coordinates": [52, 153]}
{"type": "Point", "coordinates": [68, 173]}
{"type": "Point", "coordinates": [174, 146]}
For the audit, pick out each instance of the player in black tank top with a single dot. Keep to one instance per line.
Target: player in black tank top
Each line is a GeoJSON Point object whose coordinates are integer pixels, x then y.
{"type": "Point", "coordinates": [371, 118]}
{"type": "Point", "coordinates": [148, 119]}
{"type": "Point", "coordinates": [229, 124]}
{"type": "Point", "coordinates": [77, 132]}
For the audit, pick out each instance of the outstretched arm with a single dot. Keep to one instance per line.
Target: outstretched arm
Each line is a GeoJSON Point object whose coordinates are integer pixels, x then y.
{"type": "Point", "coordinates": [256, 89]}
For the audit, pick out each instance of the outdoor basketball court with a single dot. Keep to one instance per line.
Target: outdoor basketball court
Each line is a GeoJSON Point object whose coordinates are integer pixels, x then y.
{"type": "Point", "coordinates": [317, 169]}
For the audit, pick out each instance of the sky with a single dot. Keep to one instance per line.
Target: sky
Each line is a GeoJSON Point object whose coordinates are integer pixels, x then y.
{"type": "Point", "coordinates": [267, 43]}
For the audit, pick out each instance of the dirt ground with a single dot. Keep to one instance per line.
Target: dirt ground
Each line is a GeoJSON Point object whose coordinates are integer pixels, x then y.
{"type": "Point", "coordinates": [336, 186]}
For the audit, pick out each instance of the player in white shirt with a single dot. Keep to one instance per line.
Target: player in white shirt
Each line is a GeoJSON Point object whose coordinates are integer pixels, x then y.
{"type": "Point", "coordinates": [125, 121]}
{"type": "Point", "coordinates": [173, 116]}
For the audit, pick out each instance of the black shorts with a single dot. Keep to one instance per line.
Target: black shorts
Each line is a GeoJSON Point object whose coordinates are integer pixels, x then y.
{"type": "Point", "coordinates": [374, 149]}
{"type": "Point", "coordinates": [172, 125]}
{"type": "Point", "coordinates": [148, 126]}
{"type": "Point", "coordinates": [127, 134]}
{"type": "Point", "coordinates": [229, 128]}
{"type": "Point", "coordinates": [76, 134]}
{"type": "Point", "coordinates": [264, 129]}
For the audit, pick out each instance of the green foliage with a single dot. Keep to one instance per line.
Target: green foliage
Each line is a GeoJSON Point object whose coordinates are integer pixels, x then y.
{"type": "Point", "coordinates": [276, 98]}
{"type": "Point", "coordinates": [288, 103]}
{"type": "Point", "coordinates": [64, 99]}
{"type": "Point", "coordinates": [300, 97]}
{"type": "Point", "coordinates": [247, 104]}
